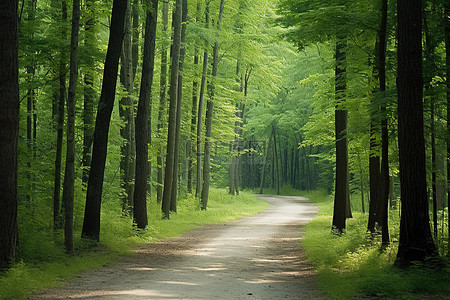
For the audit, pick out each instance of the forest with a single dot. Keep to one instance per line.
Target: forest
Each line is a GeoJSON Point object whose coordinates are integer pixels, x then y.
{"type": "Point", "coordinates": [119, 116]}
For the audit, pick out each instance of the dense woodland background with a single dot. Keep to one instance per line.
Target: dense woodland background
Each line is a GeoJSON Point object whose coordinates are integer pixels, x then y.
{"type": "Point", "coordinates": [129, 105]}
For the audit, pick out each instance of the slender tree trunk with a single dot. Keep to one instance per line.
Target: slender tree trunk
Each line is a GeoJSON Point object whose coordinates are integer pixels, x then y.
{"type": "Point", "coordinates": [126, 112]}
{"type": "Point", "coordinates": [209, 116]}
{"type": "Point", "coordinates": [173, 92]}
{"type": "Point", "coordinates": [447, 65]}
{"type": "Point", "coordinates": [416, 242]}
{"type": "Point", "coordinates": [89, 90]}
{"type": "Point", "coordinates": [69, 174]}
{"type": "Point", "coordinates": [173, 200]}
{"type": "Point", "coordinates": [60, 126]}
{"type": "Point", "coordinates": [199, 181]}
{"type": "Point", "coordinates": [341, 185]}
{"type": "Point", "coordinates": [162, 106]}
{"type": "Point", "coordinates": [384, 209]}
{"type": "Point", "coordinates": [9, 131]}
{"type": "Point", "coordinates": [91, 224]}
{"type": "Point", "coordinates": [143, 113]}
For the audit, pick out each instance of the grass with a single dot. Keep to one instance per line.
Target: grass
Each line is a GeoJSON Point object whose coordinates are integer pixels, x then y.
{"type": "Point", "coordinates": [353, 265]}
{"type": "Point", "coordinates": [43, 263]}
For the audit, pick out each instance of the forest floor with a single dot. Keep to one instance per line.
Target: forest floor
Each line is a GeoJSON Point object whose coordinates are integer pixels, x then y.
{"type": "Point", "coordinates": [258, 257]}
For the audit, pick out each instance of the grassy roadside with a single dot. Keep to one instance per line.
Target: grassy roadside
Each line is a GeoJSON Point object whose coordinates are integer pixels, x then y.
{"type": "Point", "coordinates": [44, 265]}
{"type": "Point", "coordinates": [352, 265]}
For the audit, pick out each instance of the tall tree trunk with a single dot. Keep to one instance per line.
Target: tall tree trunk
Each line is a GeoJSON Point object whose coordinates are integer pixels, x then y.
{"type": "Point", "coordinates": [199, 182]}
{"type": "Point", "coordinates": [384, 208]}
{"type": "Point", "coordinates": [209, 116]}
{"type": "Point", "coordinates": [416, 242]}
{"type": "Point", "coordinates": [126, 112]}
{"type": "Point", "coordinates": [60, 125]}
{"type": "Point", "coordinates": [89, 90]}
{"type": "Point", "coordinates": [143, 113]}
{"type": "Point", "coordinates": [341, 185]}
{"type": "Point", "coordinates": [91, 224]}
{"type": "Point", "coordinates": [173, 92]}
{"type": "Point", "coordinates": [9, 131]}
{"type": "Point", "coordinates": [69, 174]}
{"type": "Point", "coordinates": [447, 65]}
{"type": "Point", "coordinates": [429, 73]}
{"type": "Point", "coordinates": [173, 200]}
{"type": "Point", "coordinates": [162, 106]}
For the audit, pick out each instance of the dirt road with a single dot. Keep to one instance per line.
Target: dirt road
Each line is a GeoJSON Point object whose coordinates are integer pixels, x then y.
{"type": "Point", "coordinates": [258, 257]}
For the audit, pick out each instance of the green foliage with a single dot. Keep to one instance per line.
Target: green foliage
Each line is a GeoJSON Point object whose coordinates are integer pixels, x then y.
{"type": "Point", "coordinates": [353, 264]}
{"type": "Point", "coordinates": [43, 263]}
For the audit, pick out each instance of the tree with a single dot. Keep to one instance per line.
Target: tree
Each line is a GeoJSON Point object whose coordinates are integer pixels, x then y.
{"type": "Point", "coordinates": [162, 106]}
{"type": "Point", "coordinates": [69, 174]}
{"type": "Point", "coordinates": [143, 113]}
{"type": "Point", "coordinates": [126, 112]}
{"type": "Point", "coordinates": [209, 116]}
{"type": "Point", "coordinates": [91, 224]}
{"type": "Point", "coordinates": [9, 131]}
{"type": "Point", "coordinates": [416, 242]}
{"type": "Point", "coordinates": [173, 93]}
{"type": "Point", "coordinates": [60, 123]}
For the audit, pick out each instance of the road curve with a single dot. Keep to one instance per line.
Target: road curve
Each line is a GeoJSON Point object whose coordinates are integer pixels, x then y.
{"type": "Point", "coordinates": [258, 257]}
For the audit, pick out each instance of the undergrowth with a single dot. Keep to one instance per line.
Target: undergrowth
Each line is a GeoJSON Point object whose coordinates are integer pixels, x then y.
{"type": "Point", "coordinates": [352, 265]}
{"type": "Point", "coordinates": [43, 263]}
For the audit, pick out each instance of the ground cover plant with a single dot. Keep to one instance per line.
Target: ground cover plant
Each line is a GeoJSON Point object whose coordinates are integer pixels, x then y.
{"type": "Point", "coordinates": [44, 264]}
{"type": "Point", "coordinates": [353, 264]}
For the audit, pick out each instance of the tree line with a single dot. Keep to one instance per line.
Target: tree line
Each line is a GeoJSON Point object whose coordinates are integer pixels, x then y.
{"type": "Point", "coordinates": [163, 98]}
{"type": "Point", "coordinates": [119, 100]}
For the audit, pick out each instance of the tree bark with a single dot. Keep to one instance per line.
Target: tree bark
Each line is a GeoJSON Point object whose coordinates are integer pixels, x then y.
{"type": "Point", "coordinates": [209, 116]}
{"type": "Point", "coordinates": [143, 113]}
{"type": "Point", "coordinates": [199, 182]}
{"type": "Point", "coordinates": [9, 131]}
{"type": "Point", "coordinates": [69, 174]}
{"type": "Point", "coordinates": [89, 90]}
{"type": "Point", "coordinates": [341, 185]}
{"type": "Point", "coordinates": [126, 113]}
{"type": "Point", "coordinates": [447, 69]}
{"type": "Point", "coordinates": [162, 106]}
{"type": "Point", "coordinates": [91, 224]}
{"type": "Point", "coordinates": [173, 93]}
{"type": "Point", "coordinates": [60, 126]}
{"type": "Point", "coordinates": [416, 242]}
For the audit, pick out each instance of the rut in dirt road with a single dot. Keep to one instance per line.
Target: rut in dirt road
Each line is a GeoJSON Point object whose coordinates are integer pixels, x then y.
{"type": "Point", "coordinates": [258, 257]}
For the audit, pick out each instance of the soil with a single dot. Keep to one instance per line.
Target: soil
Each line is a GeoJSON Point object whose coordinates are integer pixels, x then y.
{"type": "Point", "coordinates": [258, 257]}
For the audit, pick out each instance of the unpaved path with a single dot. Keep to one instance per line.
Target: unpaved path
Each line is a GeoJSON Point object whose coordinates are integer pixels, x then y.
{"type": "Point", "coordinates": [258, 257]}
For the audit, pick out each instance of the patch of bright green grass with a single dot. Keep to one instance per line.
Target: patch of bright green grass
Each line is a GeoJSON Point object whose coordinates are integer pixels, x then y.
{"type": "Point", "coordinates": [43, 263]}
{"type": "Point", "coordinates": [352, 264]}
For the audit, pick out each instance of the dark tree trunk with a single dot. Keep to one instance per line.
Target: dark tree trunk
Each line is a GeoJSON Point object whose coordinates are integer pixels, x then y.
{"type": "Point", "coordinates": [162, 107]}
{"type": "Point", "coordinates": [89, 91]}
{"type": "Point", "coordinates": [126, 113]}
{"type": "Point", "coordinates": [199, 182]}
{"type": "Point", "coordinates": [69, 174]}
{"type": "Point", "coordinates": [416, 242]}
{"type": "Point", "coordinates": [173, 92]}
{"type": "Point", "coordinates": [60, 126]}
{"type": "Point", "coordinates": [91, 224]}
{"type": "Point", "coordinates": [174, 194]}
{"type": "Point", "coordinates": [9, 131]}
{"type": "Point", "coordinates": [143, 113]}
{"type": "Point", "coordinates": [209, 116]}
{"type": "Point", "coordinates": [341, 185]}
{"type": "Point", "coordinates": [384, 208]}
{"type": "Point", "coordinates": [447, 65]}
